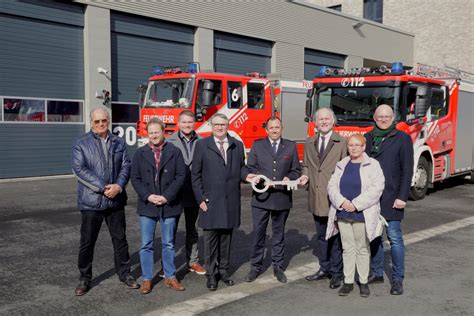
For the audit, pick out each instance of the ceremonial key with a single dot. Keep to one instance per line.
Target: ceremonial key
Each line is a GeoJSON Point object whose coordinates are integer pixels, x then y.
{"type": "Point", "coordinates": [290, 185]}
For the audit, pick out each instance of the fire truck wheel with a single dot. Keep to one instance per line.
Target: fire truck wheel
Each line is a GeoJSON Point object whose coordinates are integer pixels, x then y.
{"type": "Point", "coordinates": [422, 175]}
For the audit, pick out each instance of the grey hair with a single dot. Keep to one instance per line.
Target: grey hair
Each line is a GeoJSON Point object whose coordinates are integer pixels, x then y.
{"type": "Point", "coordinates": [334, 118]}
{"type": "Point", "coordinates": [102, 109]}
{"type": "Point", "coordinates": [220, 115]}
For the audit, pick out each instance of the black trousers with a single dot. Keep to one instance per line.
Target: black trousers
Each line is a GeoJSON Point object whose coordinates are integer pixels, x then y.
{"type": "Point", "coordinates": [191, 215]}
{"type": "Point", "coordinates": [90, 227]}
{"type": "Point", "coordinates": [260, 219]}
{"type": "Point", "coordinates": [330, 251]}
{"type": "Point", "coordinates": [217, 251]}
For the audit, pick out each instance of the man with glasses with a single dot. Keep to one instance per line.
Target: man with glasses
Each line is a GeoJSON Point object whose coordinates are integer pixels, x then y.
{"type": "Point", "coordinates": [218, 167]}
{"type": "Point", "coordinates": [321, 154]}
{"type": "Point", "coordinates": [393, 149]}
{"type": "Point", "coordinates": [101, 165]}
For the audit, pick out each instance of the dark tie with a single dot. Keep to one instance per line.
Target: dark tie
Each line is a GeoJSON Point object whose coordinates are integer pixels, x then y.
{"type": "Point", "coordinates": [321, 146]}
{"type": "Point", "coordinates": [221, 149]}
{"type": "Point", "coordinates": [274, 147]}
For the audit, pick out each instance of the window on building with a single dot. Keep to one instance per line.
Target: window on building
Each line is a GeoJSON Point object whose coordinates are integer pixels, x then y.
{"type": "Point", "coordinates": [255, 95]}
{"type": "Point", "coordinates": [64, 111]}
{"type": "Point", "coordinates": [42, 110]}
{"type": "Point", "coordinates": [337, 7]}
{"type": "Point", "coordinates": [125, 112]}
{"type": "Point", "coordinates": [24, 110]}
{"type": "Point", "coordinates": [234, 95]}
{"type": "Point", "coordinates": [373, 10]}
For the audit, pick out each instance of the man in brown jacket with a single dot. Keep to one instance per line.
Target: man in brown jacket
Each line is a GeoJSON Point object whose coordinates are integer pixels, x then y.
{"type": "Point", "coordinates": [321, 154]}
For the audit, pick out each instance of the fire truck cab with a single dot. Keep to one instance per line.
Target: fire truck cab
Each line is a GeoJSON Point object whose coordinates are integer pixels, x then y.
{"type": "Point", "coordinates": [248, 101]}
{"type": "Point", "coordinates": [436, 113]}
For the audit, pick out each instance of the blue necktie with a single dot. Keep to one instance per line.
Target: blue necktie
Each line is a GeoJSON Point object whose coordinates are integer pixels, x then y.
{"type": "Point", "coordinates": [274, 147]}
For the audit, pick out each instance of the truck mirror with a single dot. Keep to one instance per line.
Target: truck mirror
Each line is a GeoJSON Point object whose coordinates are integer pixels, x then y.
{"type": "Point", "coordinates": [141, 89]}
{"type": "Point", "coordinates": [421, 101]}
{"type": "Point", "coordinates": [309, 108]}
{"type": "Point", "coordinates": [175, 94]}
{"type": "Point", "coordinates": [207, 88]}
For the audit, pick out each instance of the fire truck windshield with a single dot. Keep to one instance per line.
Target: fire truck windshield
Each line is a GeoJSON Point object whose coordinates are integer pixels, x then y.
{"type": "Point", "coordinates": [356, 105]}
{"type": "Point", "coordinates": [168, 93]}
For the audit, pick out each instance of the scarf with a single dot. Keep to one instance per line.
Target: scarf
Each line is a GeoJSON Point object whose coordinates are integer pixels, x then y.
{"type": "Point", "coordinates": [379, 137]}
{"type": "Point", "coordinates": [156, 149]}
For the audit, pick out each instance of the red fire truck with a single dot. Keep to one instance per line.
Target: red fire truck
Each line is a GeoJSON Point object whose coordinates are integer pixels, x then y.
{"type": "Point", "coordinates": [438, 114]}
{"type": "Point", "coordinates": [246, 100]}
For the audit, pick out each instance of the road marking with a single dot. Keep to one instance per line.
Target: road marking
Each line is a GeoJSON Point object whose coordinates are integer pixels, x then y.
{"type": "Point", "coordinates": [263, 283]}
{"type": "Point", "coordinates": [64, 176]}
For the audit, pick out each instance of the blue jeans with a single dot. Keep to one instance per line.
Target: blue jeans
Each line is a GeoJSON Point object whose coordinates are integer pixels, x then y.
{"type": "Point", "coordinates": [168, 228]}
{"type": "Point", "coordinates": [397, 249]}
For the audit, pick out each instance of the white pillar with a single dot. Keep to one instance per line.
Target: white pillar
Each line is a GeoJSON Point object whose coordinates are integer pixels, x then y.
{"type": "Point", "coordinates": [97, 54]}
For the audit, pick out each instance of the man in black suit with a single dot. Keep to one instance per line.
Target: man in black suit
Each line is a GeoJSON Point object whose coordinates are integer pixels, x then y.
{"type": "Point", "coordinates": [217, 170]}
{"type": "Point", "coordinates": [277, 159]}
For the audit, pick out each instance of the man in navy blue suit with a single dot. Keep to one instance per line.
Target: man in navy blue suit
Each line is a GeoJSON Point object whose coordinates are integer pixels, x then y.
{"type": "Point", "coordinates": [277, 159]}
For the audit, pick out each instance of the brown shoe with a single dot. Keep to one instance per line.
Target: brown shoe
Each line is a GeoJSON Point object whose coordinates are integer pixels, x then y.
{"type": "Point", "coordinates": [146, 287]}
{"type": "Point", "coordinates": [196, 267]}
{"type": "Point", "coordinates": [174, 284]}
{"type": "Point", "coordinates": [82, 288]}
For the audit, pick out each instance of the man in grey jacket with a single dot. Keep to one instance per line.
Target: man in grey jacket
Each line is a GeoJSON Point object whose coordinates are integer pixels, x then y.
{"type": "Point", "coordinates": [185, 140]}
{"type": "Point", "coordinates": [101, 165]}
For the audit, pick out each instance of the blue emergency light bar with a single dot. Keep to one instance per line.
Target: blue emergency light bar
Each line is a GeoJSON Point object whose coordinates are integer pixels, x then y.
{"type": "Point", "coordinates": [325, 71]}
{"type": "Point", "coordinates": [188, 68]}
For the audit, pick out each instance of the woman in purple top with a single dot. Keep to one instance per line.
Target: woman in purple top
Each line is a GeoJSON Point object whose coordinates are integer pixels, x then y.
{"type": "Point", "coordinates": [354, 191]}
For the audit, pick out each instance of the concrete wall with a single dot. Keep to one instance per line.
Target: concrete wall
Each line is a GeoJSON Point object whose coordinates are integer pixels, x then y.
{"type": "Point", "coordinates": [443, 29]}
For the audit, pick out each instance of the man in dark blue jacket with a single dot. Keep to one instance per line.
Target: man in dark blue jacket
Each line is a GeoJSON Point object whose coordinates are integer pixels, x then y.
{"type": "Point", "coordinates": [101, 165]}
{"type": "Point", "coordinates": [393, 149]}
{"type": "Point", "coordinates": [277, 159]}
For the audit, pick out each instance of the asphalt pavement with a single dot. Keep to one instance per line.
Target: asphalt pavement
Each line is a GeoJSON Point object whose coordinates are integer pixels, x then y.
{"type": "Point", "coordinates": [39, 239]}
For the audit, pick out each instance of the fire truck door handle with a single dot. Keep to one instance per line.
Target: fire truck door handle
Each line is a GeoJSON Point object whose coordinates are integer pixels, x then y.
{"type": "Point", "coordinates": [264, 125]}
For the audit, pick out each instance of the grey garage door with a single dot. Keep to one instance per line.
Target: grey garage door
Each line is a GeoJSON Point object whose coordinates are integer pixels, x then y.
{"type": "Point", "coordinates": [41, 86]}
{"type": "Point", "coordinates": [238, 54]}
{"type": "Point", "coordinates": [314, 59]}
{"type": "Point", "coordinates": [138, 44]}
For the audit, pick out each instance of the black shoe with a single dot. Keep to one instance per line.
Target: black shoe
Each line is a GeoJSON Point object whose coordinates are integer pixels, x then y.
{"type": "Point", "coordinates": [228, 281]}
{"type": "Point", "coordinates": [364, 290]}
{"type": "Point", "coordinates": [211, 283]}
{"type": "Point", "coordinates": [318, 276]}
{"type": "Point", "coordinates": [374, 279]}
{"type": "Point", "coordinates": [346, 289]}
{"type": "Point", "coordinates": [279, 275]}
{"type": "Point", "coordinates": [82, 288]}
{"type": "Point", "coordinates": [252, 276]}
{"type": "Point", "coordinates": [335, 282]}
{"type": "Point", "coordinates": [397, 288]}
{"type": "Point", "coordinates": [131, 282]}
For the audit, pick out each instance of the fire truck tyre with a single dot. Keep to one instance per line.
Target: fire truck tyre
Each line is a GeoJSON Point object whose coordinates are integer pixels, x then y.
{"type": "Point", "coordinates": [422, 174]}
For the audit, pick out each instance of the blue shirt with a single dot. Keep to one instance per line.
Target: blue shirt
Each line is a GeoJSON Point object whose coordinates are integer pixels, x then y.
{"type": "Point", "coordinates": [350, 186]}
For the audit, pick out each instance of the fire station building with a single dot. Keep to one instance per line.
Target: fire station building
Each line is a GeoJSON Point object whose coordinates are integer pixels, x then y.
{"type": "Point", "coordinates": [59, 59]}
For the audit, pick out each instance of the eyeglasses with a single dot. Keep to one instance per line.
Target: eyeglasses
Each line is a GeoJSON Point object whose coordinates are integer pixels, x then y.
{"type": "Point", "coordinates": [383, 117]}
{"type": "Point", "coordinates": [355, 145]}
{"type": "Point", "coordinates": [219, 125]}
{"type": "Point", "coordinates": [100, 121]}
